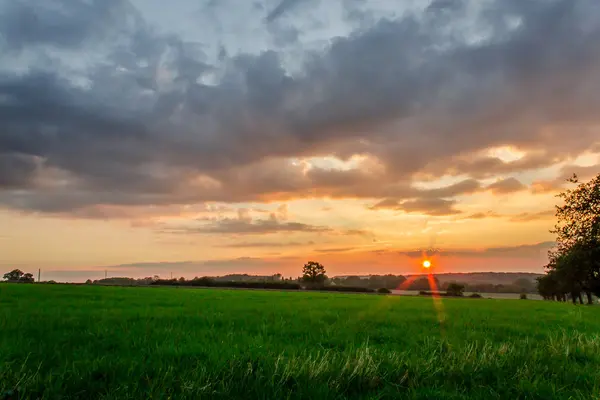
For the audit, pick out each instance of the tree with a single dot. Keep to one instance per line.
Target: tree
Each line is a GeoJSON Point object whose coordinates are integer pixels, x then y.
{"type": "Point", "coordinates": [455, 289]}
{"type": "Point", "coordinates": [14, 275]}
{"type": "Point", "coordinates": [576, 259]}
{"type": "Point", "coordinates": [313, 272]}
{"type": "Point", "coordinates": [524, 284]}
{"type": "Point", "coordinates": [551, 288]}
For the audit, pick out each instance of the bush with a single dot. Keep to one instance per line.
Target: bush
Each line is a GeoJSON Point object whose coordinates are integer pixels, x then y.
{"type": "Point", "coordinates": [455, 289]}
{"type": "Point", "coordinates": [475, 296]}
{"type": "Point", "coordinates": [384, 290]}
{"type": "Point", "coordinates": [208, 282]}
{"type": "Point", "coordinates": [352, 289]}
{"type": "Point", "coordinates": [426, 293]}
{"type": "Point", "coordinates": [523, 296]}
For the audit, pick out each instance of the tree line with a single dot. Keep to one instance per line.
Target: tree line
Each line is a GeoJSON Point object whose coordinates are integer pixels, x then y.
{"type": "Point", "coordinates": [18, 276]}
{"type": "Point", "coordinates": [573, 270]}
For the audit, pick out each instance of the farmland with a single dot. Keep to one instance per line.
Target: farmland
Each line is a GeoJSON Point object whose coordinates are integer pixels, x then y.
{"type": "Point", "coordinates": [116, 343]}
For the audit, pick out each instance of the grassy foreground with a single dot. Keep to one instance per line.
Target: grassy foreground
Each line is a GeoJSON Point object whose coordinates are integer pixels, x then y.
{"type": "Point", "coordinates": [142, 343]}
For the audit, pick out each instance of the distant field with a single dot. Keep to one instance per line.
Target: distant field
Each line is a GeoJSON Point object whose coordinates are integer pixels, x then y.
{"type": "Point", "coordinates": [141, 343]}
{"type": "Point", "coordinates": [530, 296]}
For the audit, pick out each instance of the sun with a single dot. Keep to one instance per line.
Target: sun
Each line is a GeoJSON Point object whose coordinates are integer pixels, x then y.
{"type": "Point", "coordinates": [426, 264]}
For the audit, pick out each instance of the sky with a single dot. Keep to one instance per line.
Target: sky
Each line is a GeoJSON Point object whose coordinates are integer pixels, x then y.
{"type": "Point", "coordinates": [213, 137]}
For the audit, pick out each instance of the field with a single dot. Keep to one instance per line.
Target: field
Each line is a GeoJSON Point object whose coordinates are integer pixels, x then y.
{"type": "Point", "coordinates": [140, 343]}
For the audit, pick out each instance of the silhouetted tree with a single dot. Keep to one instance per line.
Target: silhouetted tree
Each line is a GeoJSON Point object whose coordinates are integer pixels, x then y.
{"type": "Point", "coordinates": [314, 273]}
{"type": "Point", "coordinates": [14, 275]}
{"type": "Point", "coordinates": [550, 288]}
{"type": "Point", "coordinates": [576, 259]}
{"type": "Point", "coordinates": [455, 289]}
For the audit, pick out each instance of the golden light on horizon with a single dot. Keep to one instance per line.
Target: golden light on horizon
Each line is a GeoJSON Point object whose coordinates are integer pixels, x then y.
{"type": "Point", "coordinates": [426, 264]}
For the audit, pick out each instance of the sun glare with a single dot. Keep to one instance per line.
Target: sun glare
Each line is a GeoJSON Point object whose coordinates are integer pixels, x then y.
{"type": "Point", "coordinates": [426, 264]}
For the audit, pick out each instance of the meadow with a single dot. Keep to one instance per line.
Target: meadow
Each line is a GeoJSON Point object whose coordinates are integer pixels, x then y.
{"type": "Point", "coordinates": [93, 342]}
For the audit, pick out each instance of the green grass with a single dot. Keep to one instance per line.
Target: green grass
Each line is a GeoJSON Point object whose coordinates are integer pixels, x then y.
{"type": "Point", "coordinates": [155, 343]}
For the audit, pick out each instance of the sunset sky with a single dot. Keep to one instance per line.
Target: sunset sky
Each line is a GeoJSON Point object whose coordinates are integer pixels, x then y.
{"type": "Point", "coordinates": [207, 137]}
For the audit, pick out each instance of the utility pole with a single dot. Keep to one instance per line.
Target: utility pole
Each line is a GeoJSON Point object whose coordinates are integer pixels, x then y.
{"type": "Point", "coordinates": [171, 275]}
{"type": "Point", "coordinates": [39, 274]}
{"type": "Point", "coordinates": [105, 274]}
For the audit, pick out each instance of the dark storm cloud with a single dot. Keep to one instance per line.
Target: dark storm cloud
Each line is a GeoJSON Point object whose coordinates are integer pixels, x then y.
{"type": "Point", "coordinates": [143, 127]}
{"type": "Point", "coordinates": [283, 7]}
{"type": "Point", "coordinates": [16, 170]}
{"type": "Point", "coordinates": [61, 23]}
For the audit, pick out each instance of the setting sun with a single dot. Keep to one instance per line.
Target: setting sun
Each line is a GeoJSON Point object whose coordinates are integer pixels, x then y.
{"type": "Point", "coordinates": [426, 264]}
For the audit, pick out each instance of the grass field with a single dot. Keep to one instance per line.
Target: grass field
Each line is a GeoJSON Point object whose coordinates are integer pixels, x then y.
{"type": "Point", "coordinates": [153, 343]}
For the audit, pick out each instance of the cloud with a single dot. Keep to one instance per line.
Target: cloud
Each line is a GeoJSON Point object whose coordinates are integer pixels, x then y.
{"type": "Point", "coordinates": [335, 250]}
{"type": "Point", "coordinates": [483, 215]}
{"type": "Point", "coordinates": [436, 207]}
{"type": "Point", "coordinates": [528, 250]}
{"type": "Point", "coordinates": [506, 186]}
{"type": "Point", "coordinates": [234, 265]}
{"type": "Point", "coordinates": [245, 224]}
{"type": "Point", "coordinates": [561, 182]}
{"type": "Point", "coordinates": [429, 201]}
{"type": "Point", "coordinates": [283, 7]}
{"type": "Point", "coordinates": [252, 227]}
{"type": "Point", "coordinates": [17, 170]}
{"type": "Point", "coordinates": [97, 107]}
{"type": "Point", "coordinates": [269, 245]}
{"type": "Point", "coordinates": [533, 216]}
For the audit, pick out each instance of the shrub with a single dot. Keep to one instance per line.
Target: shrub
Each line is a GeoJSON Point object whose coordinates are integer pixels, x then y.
{"type": "Point", "coordinates": [353, 289]}
{"type": "Point", "coordinates": [455, 289]}
{"type": "Point", "coordinates": [426, 293]}
{"type": "Point", "coordinates": [523, 296]}
{"type": "Point", "coordinates": [208, 282]}
{"type": "Point", "coordinates": [475, 296]}
{"type": "Point", "coordinates": [384, 290]}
